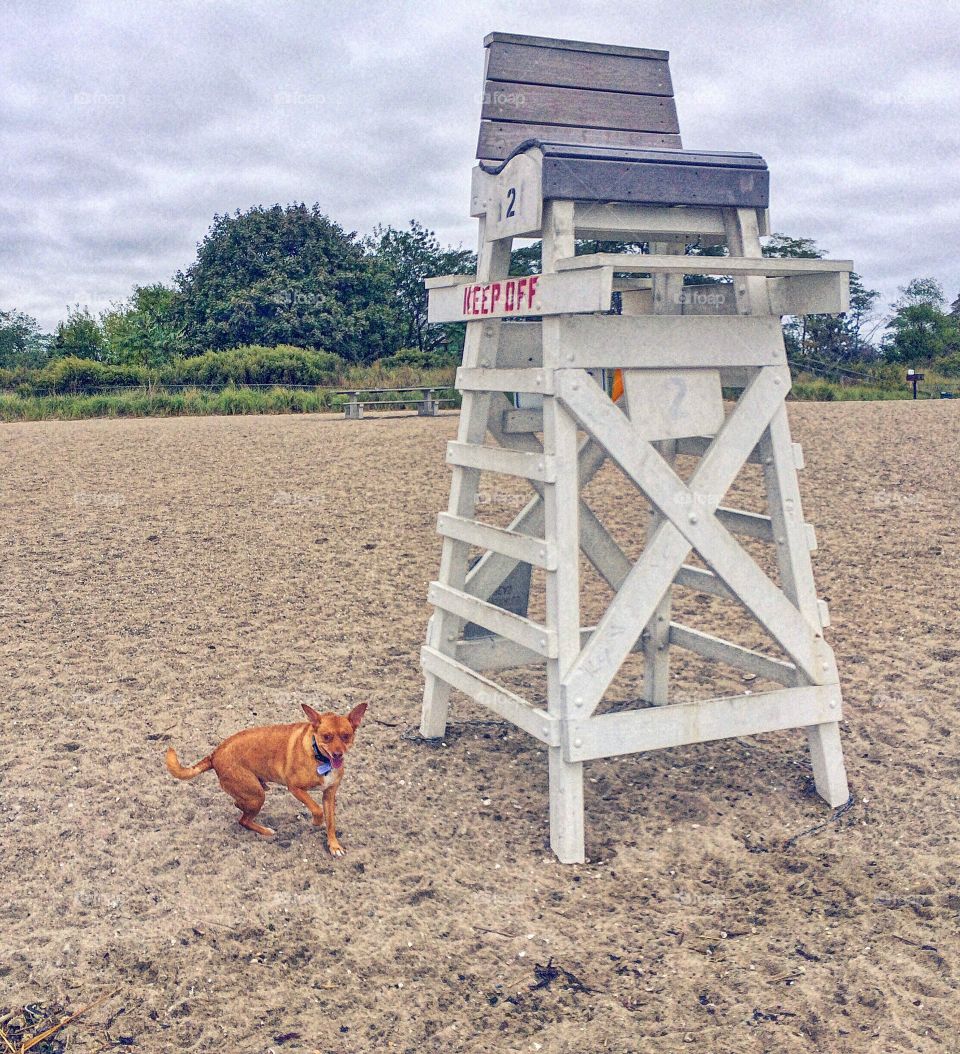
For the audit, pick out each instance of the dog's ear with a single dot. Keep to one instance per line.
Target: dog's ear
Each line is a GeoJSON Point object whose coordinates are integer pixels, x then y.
{"type": "Point", "coordinates": [356, 715]}
{"type": "Point", "coordinates": [311, 714]}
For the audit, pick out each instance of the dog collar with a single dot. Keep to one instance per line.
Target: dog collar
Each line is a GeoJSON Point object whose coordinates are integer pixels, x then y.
{"type": "Point", "coordinates": [324, 768]}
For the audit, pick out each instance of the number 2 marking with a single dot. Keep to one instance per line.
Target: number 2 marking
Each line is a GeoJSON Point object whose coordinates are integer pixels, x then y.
{"type": "Point", "coordinates": [512, 198]}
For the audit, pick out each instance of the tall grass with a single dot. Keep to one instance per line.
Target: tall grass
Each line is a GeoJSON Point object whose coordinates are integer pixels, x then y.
{"type": "Point", "coordinates": [189, 402]}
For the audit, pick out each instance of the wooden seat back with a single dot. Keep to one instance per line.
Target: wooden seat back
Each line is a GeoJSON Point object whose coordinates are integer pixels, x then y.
{"type": "Point", "coordinates": [572, 92]}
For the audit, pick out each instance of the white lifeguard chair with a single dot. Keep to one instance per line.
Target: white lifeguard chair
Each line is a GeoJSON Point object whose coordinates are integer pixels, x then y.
{"type": "Point", "coordinates": [581, 140]}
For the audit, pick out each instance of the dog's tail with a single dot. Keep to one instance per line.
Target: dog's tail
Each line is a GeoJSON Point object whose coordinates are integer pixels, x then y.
{"type": "Point", "coordinates": [176, 769]}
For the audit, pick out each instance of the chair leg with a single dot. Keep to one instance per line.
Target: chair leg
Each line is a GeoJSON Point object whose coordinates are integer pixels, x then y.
{"type": "Point", "coordinates": [566, 808]}
{"type": "Point", "coordinates": [826, 756]}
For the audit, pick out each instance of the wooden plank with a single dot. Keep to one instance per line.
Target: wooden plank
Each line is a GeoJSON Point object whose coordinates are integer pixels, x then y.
{"type": "Point", "coordinates": [561, 507]}
{"type": "Point", "coordinates": [590, 179]}
{"type": "Point", "coordinates": [530, 634]}
{"type": "Point", "coordinates": [579, 107]}
{"type": "Point", "coordinates": [499, 139]}
{"type": "Point", "coordinates": [523, 547]}
{"type": "Point", "coordinates": [508, 462]}
{"type": "Point", "coordinates": [481, 379]}
{"type": "Point", "coordinates": [520, 346]}
{"type": "Point", "coordinates": [634, 263]}
{"type": "Point", "coordinates": [516, 422]}
{"type": "Point", "coordinates": [546, 294]}
{"type": "Point", "coordinates": [733, 654]}
{"type": "Point", "coordinates": [538, 723]}
{"type": "Point", "coordinates": [659, 727]}
{"type": "Point", "coordinates": [640, 223]}
{"type": "Point", "coordinates": [578, 69]}
{"type": "Point", "coordinates": [750, 524]}
{"type": "Point", "coordinates": [813, 294]}
{"type": "Point", "coordinates": [670, 342]}
{"type": "Point", "coordinates": [674, 402]}
{"type": "Point", "coordinates": [702, 581]}
{"type": "Point", "coordinates": [494, 653]}
{"type": "Point", "coordinates": [574, 45]}
{"type": "Point", "coordinates": [697, 446]}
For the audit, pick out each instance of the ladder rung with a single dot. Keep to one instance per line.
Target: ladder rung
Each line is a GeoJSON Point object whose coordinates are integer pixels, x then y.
{"type": "Point", "coordinates": [496, 619]}
{"type": "Point", "coordinates": [751, 524]}
{"type": "Point", "coordinates": [516, 422]}
{"type": "Point", "coordinates": [508, 462]}
{"type": "Point", "coordinates": [702, 581]}
{"type": "Point", "coordinates": [732, 654]}
{"type": "Point", "coordinates": [501, 701]}
{"type": "Point", "coordinates": [482, 379]}
{"type": "Point", "coordinates": [523, 547]}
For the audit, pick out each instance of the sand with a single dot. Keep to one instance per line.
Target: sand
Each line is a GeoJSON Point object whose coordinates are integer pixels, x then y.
{"type": "Point", "coordinates": [172, 581]}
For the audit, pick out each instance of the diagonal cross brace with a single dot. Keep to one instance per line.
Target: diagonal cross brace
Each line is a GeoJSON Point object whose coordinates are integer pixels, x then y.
{"type": "Point", "coordinates": [673, 539]}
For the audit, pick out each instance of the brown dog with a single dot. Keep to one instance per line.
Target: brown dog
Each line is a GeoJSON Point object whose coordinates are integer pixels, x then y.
{"type": "Point", "coordinates": [301, 757]}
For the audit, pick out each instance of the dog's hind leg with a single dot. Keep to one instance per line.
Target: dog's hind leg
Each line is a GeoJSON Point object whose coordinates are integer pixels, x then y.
{"type": "Point", "coordinates": [248, 794]}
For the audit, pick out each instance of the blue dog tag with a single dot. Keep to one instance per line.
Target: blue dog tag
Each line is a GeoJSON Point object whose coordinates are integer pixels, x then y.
{"type": "Point", "coordinates": [324, 768]}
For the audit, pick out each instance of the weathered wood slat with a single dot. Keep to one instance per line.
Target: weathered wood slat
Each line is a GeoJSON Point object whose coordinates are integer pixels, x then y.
{"type": "Point", "coordinates": [523, 547]}
{"type": "Point", "coordinates": [508, 462]}
{"type": "Point", "coordinates": [524, 631]}
{"type": "Point", "coordinates": [588, 179]}
{"type": "Point", "coordinates": [494, 653]}
{"type": "Point", "coordinates": [702, 581]}
{"type": "Point", "coordinates": [635, 263]}
{"type": "Point", "coordinates": [521, 346]}
{"type": "Point", "coordinates": [670, 342]}
{"type": "Point", "coordinates": [622, 221]}
{"type": "Point", "coordinates": [529, 64]}
{"type": "Point", "coordinates": [655, 728]}
{"type": "Point", "coordinates": [545, 294]}
{"type": "Point", "coordinates": [579, 107]}
{"type": "Point", "coordinates": [559, 44]}
{"type": "Point", "coordinates": [538, 723]}
{"type": "Point", "coordinates": [750, 524]}
{"type": "Point", "coordinates": [498, 139]}
{"type": "Point", "coordinates": [810, 294]}
{"type": "Point", "coordinates": [732, 654]}
{"type": "Point", "coordinates": [480, 379]}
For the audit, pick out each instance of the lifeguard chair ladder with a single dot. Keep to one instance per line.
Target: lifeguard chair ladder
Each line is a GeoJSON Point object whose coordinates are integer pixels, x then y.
{"type": "Point", "coordinates": [581, 140]}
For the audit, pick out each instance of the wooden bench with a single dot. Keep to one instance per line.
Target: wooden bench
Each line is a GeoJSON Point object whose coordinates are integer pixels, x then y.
{"type": "Point", "coordinates": [428, 406]}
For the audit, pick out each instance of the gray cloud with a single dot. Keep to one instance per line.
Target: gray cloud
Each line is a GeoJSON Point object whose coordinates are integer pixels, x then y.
{"type": "Point", "coordinates": [125, 126]}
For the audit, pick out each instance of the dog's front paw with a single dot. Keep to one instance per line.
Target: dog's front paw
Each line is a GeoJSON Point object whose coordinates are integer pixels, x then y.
{"type": "Point", "coordinates": [336, 849]}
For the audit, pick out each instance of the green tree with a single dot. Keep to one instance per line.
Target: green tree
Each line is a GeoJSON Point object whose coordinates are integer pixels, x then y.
{"type": "Point", "coordinates": [919, 330]}
{"type": "Point", "coordinates": [285, 275]}
{"type": "Point", "coordinates": [21, 341]}
{"type": "Point", "coordinates": [143, 330]}
{"type": "Point", "coordinates": [408, 257]}
{"type": "Point", "coordinates": [80, 336]}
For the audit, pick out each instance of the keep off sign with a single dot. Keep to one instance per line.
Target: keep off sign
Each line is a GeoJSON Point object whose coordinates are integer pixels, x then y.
{"type": "Point", "coordinates": [517, 295]}
{"type": "Point", "coordinates": [546, 294]}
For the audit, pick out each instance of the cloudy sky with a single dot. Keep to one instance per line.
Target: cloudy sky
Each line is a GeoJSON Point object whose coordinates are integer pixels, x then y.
{"type": "Point", "coordinates": [125, 125]}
